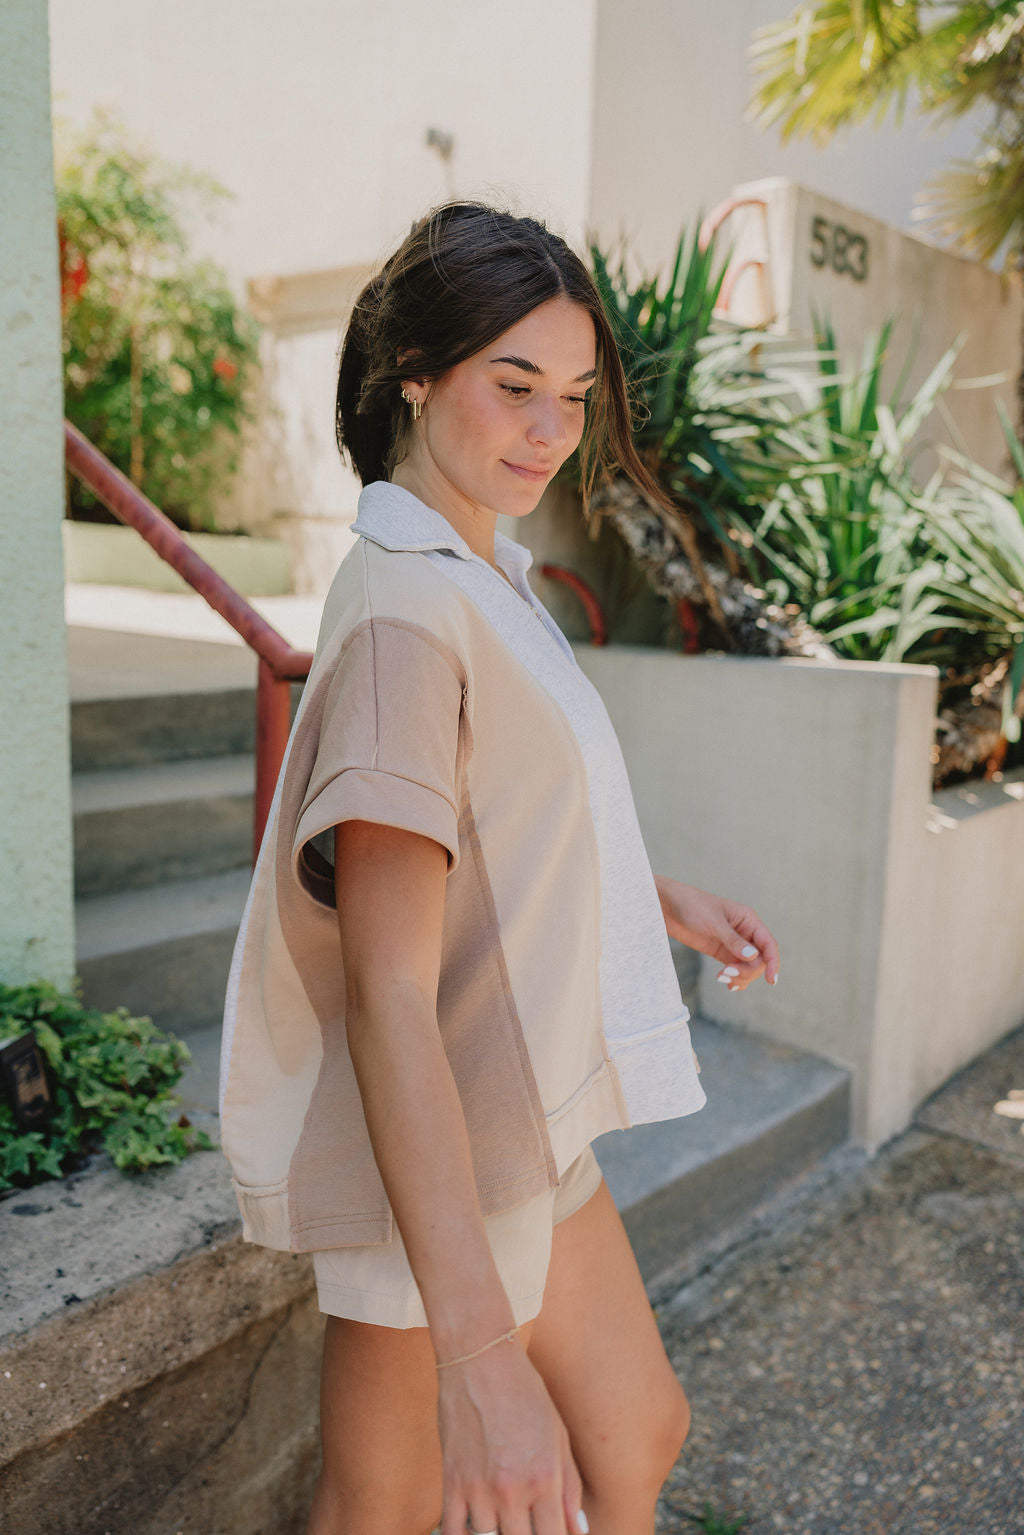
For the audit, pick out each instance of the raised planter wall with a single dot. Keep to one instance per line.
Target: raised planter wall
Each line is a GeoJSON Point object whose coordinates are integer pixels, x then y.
{"type": "Point", "coordinates": [803, 789]}
{"type": "Point", "coordinates": [157, 1373]}
{"type": "Point", "coordinates": [115, 556]}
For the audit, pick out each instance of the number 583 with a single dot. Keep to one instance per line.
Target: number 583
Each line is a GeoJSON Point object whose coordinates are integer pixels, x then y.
{"type": "Point", "coordinates": [845, 251]}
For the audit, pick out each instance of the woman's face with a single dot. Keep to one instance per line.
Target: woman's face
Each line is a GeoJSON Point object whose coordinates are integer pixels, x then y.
{"type": "Point", "coordinates": [496, 427]}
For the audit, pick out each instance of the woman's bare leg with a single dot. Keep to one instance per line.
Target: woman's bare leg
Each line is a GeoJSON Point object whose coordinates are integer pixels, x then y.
{"type": "Point", "coordinates": [381, 1471]}
{"type": "Point", "coordinates": [596, 1344]}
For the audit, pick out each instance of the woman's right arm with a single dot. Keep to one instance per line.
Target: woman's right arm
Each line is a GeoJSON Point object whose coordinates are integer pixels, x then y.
{"type": "Point", "coordinates": [506, 1451]}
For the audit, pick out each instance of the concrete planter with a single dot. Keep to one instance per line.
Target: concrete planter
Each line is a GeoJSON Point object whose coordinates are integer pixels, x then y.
{"type": "Point", "coordinates": [117, 556]}
{"type": "Point", "coordinates": [157, 1374]}
{"type": "Point", "coordinates": [803, 789]}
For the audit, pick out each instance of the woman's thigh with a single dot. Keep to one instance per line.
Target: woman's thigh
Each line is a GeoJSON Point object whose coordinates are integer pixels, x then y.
{"type": "Point", "coordinates": [597, 1345]}
{"type": "Point", "coordinates": [378, 1417]}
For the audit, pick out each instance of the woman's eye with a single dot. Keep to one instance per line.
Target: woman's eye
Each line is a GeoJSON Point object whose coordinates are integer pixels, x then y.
{"type": "Point", "coordinates": [518, 389]}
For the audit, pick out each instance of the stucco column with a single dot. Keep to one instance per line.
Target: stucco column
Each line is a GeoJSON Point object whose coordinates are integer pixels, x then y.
{"type": "Point", "coordinates": [36, 911]}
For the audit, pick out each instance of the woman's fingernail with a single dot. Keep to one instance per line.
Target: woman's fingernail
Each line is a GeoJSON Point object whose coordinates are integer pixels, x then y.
{"type": "Point", "coordinates": [774, 979]}
{"type": "Point", "coordinates": [581, 1521]}
{"type": "Point", "coordinates": [748, 951]}
{"type": "Point", "coordinates": [730, 970]}
{"type": "Point", "coordinates": [723, 978]}
{"type": "Point", "coordinates": [733, 986]}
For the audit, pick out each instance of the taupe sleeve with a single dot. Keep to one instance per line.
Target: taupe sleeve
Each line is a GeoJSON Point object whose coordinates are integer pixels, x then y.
{"type": "Point", "coordinates": [388, 745]}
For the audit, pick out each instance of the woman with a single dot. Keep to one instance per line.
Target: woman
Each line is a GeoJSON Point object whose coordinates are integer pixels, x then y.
{"type": "Point", "coordinates": [453, 972]}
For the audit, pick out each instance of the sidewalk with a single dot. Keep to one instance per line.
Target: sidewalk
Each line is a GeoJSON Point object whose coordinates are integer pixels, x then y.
{"type": "Point", "coordinates": [854, 1358]}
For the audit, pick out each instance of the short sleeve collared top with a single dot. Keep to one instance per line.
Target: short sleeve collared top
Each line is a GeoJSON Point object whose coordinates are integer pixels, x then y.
{"type": "Point", "coordinates": [444, 699]}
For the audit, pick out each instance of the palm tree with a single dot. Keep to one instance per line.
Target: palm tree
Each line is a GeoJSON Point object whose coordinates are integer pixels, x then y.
{"type": "Point", "coordinates": [837, 62]}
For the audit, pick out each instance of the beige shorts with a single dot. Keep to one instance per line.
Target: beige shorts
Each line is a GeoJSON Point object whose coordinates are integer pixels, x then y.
{"type": "Point", "coordinates": [376, 1284]}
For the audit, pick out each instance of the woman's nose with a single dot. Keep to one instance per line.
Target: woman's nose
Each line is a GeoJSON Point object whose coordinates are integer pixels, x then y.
{"type": "Point", "coordinates": [547, 422]}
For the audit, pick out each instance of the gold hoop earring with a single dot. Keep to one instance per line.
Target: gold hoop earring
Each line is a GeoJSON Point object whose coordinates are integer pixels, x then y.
{"type": "Point", "coordinates": [417, 405]}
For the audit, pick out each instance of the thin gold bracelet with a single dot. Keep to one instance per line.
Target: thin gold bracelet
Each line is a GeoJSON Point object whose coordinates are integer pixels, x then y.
{"type": "Point", "coordinates": [506, 1337]}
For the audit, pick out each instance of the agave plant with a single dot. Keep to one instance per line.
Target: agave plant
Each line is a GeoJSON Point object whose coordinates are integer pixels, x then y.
{"type": "Point", "coordinates": [842, 532]}
{"type": "Point", "coordinates": [975, 524]}
{"type": "Point", "coordinates": [705, 407]}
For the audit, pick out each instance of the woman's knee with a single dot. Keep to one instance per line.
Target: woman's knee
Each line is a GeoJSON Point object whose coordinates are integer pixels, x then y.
{"type": "Point", "coordinates": [667, 1431]}
{"type": "Point", "coordinates": [655, 1442]}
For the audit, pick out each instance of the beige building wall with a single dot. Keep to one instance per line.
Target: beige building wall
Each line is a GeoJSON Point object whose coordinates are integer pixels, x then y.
{"type": "Point", "coordinates": [36, 923]}
{"type": "Point", "coordinates": [316, 115]}
{"type": "Point", "coordinates": [797, 254]}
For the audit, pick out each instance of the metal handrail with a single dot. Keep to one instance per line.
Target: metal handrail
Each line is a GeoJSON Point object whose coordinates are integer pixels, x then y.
{"type": "Point", "coordinates": [279, 663]}
{"type": "Point", "coordinates": [588, 597]}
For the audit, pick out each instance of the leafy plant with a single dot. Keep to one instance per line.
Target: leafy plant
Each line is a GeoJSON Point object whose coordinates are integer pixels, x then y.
{"type": "Point", "coordinates": [705, 407]}
{"type": "Point", "coordinates": [702, 399]}
{"type": "Point", "coordinates": [112, 1076]}
{"type": "Point", "coordinates": [976, 523]}
{"type": "Point", "coordinates": [158, 357]}
{"type": "Point", "coordinates": [710, 1523]}
{"type": "Point", "coordinates": [845, 532]}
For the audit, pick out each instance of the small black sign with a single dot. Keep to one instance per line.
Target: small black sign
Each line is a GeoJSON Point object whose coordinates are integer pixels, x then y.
{"type": "Point", "coordinates": [23, 1071]}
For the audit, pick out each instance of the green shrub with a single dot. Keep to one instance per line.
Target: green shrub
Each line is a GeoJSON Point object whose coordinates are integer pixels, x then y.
{"type": "Point", "coordinates": [112, 1076]}
{"type": "Point", "coordinates": [159, 358]}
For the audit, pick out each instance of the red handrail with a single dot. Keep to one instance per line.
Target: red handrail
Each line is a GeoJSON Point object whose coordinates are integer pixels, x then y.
{"type": "Point", "coordinates": [279, 663]}
{"type": "Point", "coordinates": [587, 596]}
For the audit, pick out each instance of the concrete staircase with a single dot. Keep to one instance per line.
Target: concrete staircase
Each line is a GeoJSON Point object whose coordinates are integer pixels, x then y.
{"type": "Point", "coordinates": [162, 783]}
{"type": "Point", "coordinates": [162, 734]}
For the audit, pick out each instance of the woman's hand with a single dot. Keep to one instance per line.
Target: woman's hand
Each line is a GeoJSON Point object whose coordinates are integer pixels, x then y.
{"type": "Point", "coordinates": [507, 1460]}
{"type": "Point", "coordinates": [721, 928]}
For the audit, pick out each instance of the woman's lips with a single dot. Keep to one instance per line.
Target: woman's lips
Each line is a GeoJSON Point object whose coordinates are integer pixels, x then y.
{"type": "Point", "coordinates": [536, 475]}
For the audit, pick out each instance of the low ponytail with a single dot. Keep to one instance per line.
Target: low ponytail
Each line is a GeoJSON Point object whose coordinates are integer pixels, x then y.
{"type": "Point", "coordinates": [368, 426]}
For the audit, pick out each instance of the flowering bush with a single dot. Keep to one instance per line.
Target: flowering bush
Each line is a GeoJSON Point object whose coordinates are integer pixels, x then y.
{"type": "Point", "coordinates": [158, 357]}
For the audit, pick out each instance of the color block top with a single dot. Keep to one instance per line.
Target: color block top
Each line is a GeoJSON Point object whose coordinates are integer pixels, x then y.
{"type": "Point", "coordinates": [445, 702]}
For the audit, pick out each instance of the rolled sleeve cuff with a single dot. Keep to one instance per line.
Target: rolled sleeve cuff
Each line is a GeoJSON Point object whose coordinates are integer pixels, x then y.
{"type": "Point", "coordinates": [368, 794]}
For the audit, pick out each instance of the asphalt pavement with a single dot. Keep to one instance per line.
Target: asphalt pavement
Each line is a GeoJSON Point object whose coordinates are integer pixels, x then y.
{"type": "Point", "coordinates": [854, 1356]}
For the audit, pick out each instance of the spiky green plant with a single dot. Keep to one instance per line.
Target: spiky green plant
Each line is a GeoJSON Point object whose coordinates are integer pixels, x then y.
{"type": "Point", "coordinates": [842, 533]}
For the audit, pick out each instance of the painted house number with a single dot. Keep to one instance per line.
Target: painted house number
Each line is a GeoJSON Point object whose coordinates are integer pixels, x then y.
{"type": "Point", "coordinates": [845, 251]}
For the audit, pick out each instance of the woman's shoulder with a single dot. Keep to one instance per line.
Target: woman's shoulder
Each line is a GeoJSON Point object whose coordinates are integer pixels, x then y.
{"type": "Point", "coordinates": [380, 590]}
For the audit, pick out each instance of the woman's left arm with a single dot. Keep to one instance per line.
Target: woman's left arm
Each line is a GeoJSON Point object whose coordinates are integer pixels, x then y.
{"type": "Point", "coordinates": [721, 928]}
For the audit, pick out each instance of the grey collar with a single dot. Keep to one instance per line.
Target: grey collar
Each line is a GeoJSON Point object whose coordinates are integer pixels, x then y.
{"type": "Point", "coordinates": [391, 516]}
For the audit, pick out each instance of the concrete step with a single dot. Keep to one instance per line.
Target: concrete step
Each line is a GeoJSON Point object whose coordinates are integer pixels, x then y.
{"type": "Point", "coordinates": [772, 1113]}
{"type": "Point", "coordinates": [136, 827]}
{"type": "Point", "coordinates": [163, 952]}
{"type": "Point", "coordinates": [141, 698]}
{"type": "Point", "coordinates": [128, 732]}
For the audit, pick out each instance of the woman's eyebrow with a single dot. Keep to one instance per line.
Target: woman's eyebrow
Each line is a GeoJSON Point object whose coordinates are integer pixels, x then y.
{"type": "Point", "coordinates": [531, 367]}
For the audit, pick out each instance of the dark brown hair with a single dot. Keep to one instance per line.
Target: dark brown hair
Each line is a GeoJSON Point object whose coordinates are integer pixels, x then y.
{"type": "Point", "coordinates": [464, 274]}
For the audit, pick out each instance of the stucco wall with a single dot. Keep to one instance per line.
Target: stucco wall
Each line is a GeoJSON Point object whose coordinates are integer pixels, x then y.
{"type": "Point", "coordinates": [800, 254]}
{"type": "Point", "coordinates": [804, 790]}
{"type": "Point", "coordinates": [36, 928]}
{"type": "Point", "coordinates": [315, 116]}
